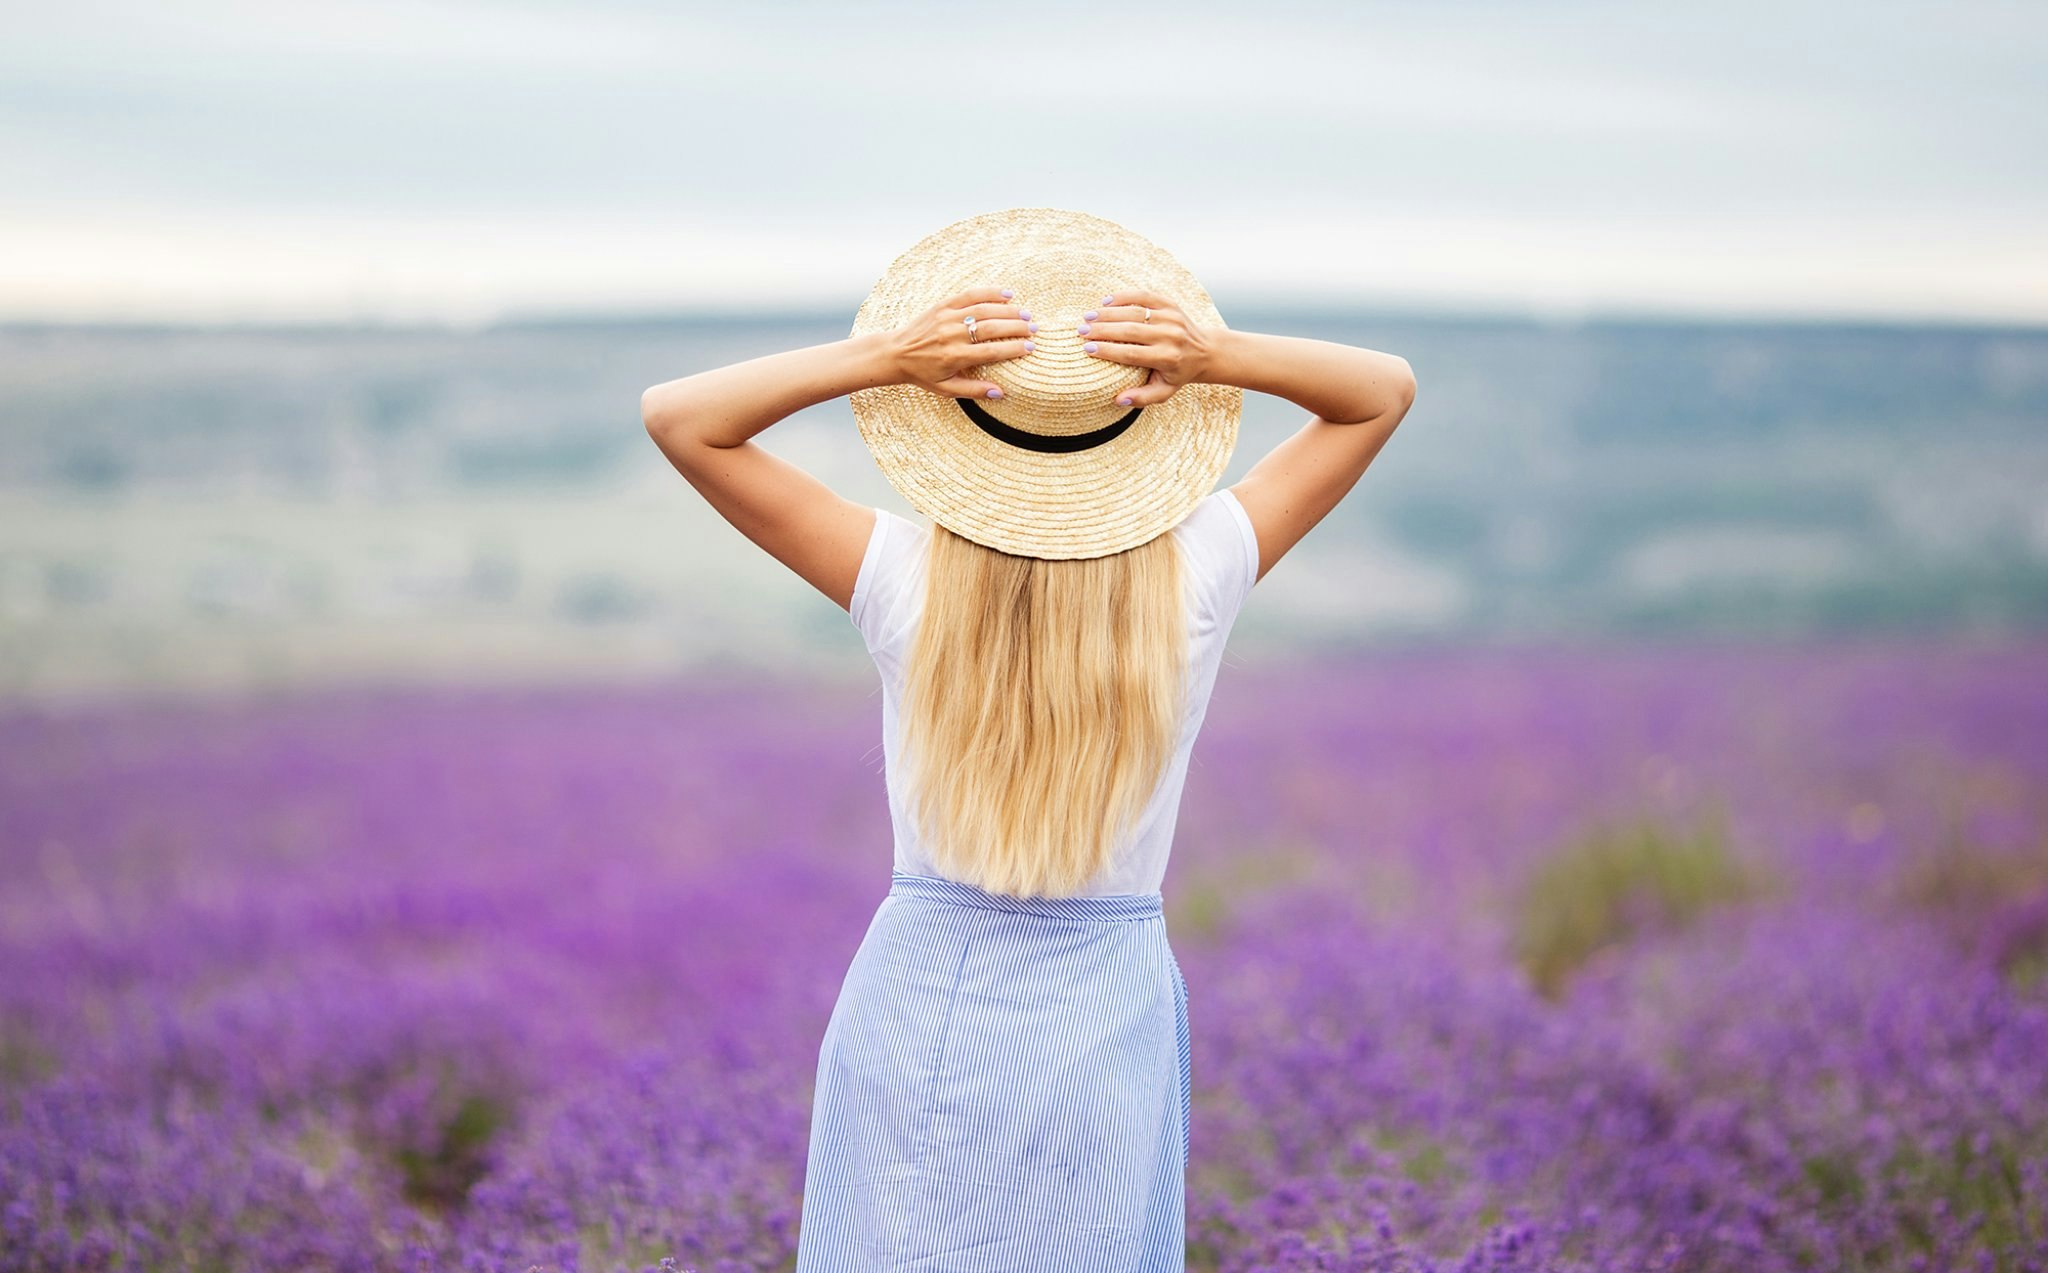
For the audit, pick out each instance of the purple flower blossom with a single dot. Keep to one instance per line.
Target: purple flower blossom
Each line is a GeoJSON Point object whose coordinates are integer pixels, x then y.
{"type": "Point", "coordinates": [536, 979]}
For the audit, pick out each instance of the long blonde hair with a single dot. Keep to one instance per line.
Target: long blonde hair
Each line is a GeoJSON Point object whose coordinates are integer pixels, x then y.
{"type": "Point", "coordinates": [1042, 703]}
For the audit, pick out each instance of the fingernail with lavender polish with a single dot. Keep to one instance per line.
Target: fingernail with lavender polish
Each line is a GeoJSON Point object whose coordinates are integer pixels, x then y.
{"type": "Point", "coordinates": [1089, 316]}
{"type": "Point", "coordinates": [1083, 329]}
{"type": "Point", "coordinates": [1024, 314]}
{"type": "Point", "coordinates": [1030, 345]}
{"type": "Point", "coordinates": [1007, 293]}
{"type": "Point", "coordinates": [1089, 347]}
{"type": "Point", "coordinates": [1107, 299]}
{"type": "Point", "coordinates": [1031, 327]}
{"type": "Point", "coordinates": [994, 392]}
{"type": "Point", "coordinates": [1124, 401]}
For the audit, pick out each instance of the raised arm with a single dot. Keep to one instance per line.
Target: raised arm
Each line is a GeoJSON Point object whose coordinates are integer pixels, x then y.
{"type": "Point", "coordinates": [1357, 397]}
{"type": "Point", "coordinates": [705, 425]}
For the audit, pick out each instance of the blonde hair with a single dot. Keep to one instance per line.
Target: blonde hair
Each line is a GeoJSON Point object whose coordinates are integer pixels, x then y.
{"type": "Point", "coordinates": [1042, 703]}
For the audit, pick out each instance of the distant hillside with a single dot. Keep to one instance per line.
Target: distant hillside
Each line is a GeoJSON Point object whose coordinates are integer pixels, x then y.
{"type": "Point", "coordinates": [271, 505]}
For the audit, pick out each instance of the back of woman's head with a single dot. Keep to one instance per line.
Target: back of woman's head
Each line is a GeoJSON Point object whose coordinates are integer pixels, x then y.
{"type": "Point", "coordinates": [1043, 701]}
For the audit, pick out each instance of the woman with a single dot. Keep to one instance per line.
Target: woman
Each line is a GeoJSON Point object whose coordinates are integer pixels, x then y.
{"type": "Point", "coordinates": [1004, 1082]}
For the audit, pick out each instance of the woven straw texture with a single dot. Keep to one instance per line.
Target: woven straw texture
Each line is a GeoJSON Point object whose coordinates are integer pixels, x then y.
{"type": "Point", "coordinates": [1056, 505]}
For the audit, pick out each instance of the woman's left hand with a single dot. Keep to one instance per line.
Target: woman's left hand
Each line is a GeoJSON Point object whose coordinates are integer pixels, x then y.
{"type": "Point", "coordinates": [1176, 350]}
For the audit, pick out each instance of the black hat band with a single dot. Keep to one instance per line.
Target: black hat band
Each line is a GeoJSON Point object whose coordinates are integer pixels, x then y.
{"type": "Point", "coordinates": [1048, 442]}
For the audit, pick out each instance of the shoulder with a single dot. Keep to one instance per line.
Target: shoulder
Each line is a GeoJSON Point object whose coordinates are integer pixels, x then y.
{"type": "Point", "coordinates": [1221, 550]}
{"type": "Point", "coordinates": [889, 574]}
{"type": "Point", "coordinates": [1218, 513]}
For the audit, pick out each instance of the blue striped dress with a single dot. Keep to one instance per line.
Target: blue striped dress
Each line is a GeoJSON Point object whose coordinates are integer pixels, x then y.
{"type": "Point", "coordinates": [1004, 1083]}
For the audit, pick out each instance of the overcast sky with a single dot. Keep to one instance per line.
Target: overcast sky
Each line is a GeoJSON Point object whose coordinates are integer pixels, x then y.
{"type": "Point", "coordinates": [423, 158]}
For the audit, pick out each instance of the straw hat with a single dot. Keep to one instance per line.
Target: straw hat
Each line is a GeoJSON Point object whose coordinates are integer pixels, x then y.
{"type": "Point", "coordinates": [1054, 468]}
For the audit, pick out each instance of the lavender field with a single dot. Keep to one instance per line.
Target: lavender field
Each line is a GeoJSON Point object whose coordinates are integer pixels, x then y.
{"type": "Point", "coordinates": [1696, 957]}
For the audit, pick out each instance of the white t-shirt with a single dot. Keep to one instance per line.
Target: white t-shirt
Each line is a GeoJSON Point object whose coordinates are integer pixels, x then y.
{"type": "Point", "coordinates": [1221, 562]}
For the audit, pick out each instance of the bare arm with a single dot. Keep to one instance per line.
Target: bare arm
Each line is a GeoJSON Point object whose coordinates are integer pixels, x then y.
{"type": "Point", "coordinates": [1357, 397]}
{"type": "Point", "coordinates": [705, 424]}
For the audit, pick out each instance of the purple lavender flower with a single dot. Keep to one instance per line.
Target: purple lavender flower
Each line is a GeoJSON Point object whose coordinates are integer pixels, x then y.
{"type": "Point", "coordinates": [536, 979]}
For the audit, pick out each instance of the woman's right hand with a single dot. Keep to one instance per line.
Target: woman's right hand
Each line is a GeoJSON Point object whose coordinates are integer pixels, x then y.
{"type": "Point", "coordinates": [932, 349]}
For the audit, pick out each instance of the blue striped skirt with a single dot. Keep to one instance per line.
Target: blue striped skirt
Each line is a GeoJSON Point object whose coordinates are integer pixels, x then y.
{"type": "Point", "coordinates": [1003, 1085]}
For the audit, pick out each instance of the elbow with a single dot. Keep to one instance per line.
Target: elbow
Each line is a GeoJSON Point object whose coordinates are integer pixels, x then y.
{"type": "Point", "coordinates": [1385, 395]}
{"type": "Point", "coordinates": [1399, 391]}
{"type": "Point", "coordinates": [656, 416]}
{"type": "Point", "coordinates": [671, 424]}
{"type": "Point", "coordinates": [1404, 385]}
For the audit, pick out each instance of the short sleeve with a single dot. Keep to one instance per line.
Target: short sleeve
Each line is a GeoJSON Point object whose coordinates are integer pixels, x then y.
{"type": "Point", "coordinates": [1239, 583]}
{"type": "Point", "coordinates": [885, 591]}
{"type": "Point", "coordinates": [1220, 547]}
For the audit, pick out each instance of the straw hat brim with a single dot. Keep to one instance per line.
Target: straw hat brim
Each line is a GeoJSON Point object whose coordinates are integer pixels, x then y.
{"type": "Point", "coordinates": [1057, 504]}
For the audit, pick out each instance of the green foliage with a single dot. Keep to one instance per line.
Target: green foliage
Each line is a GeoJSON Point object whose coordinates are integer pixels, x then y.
{"type": "Point", "coordinates": [1617, 881]}
{"type": "Point", "coordinates": [1979, 891]}
{"type": "Point", "coordinates": [1956, 875]}
{"type": "Point", "coordinates": [1198, 909]}
{"type": "Point", "coordinates": [23, 1060]}
{"type": "Point", "coordinates": [1427, 1165]}
{"type": "Point", "coordinates": [1983, 1180]}
{"type": "Point", "coordinates": [2025, 963]}
{"type": "Point", "coordinates": [1834, 1177]}
{"type": "Point", "coordinates": [440, 1175]}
